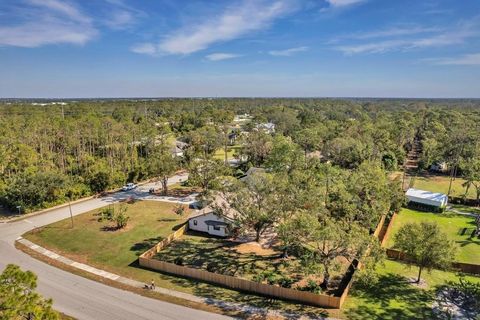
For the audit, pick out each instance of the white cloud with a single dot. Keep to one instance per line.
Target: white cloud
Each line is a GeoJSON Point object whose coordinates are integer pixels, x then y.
{"type": "Point", "coordinates": [287, 52]}
{"type": "Point", "coordinates": [120, 19]}
{"type": "Point", "coordinates": [393, 32]}
{"type": "Point", "coordinates": [45, 22]}
{"type": "Point", "coordinates": [466, 60]}
{"type": "Point", "coordinates": [455, 36]}
{"type": "Point", "coordinates": [343, 3]}
{"type": "Point", "coordinates": [236, 21]}
{"type": "Point", "coordinates": [120, 15]}
{"type": "Point", "coordinates": [221, 56]}
{"type": "Point", "coordinates": [62, 7]}
{"type": "Point", "coordinates": [145, 48]}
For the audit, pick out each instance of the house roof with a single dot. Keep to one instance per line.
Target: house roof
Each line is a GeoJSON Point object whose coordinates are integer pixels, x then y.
{"type": "Point", "coordinates": [427, 195]}
{"type": "Point", "coordinates": [251, 171]}
{"type": "Point", "coordinates": [267, 126]}
{"type": "Point", "coordinates": [218, 201]}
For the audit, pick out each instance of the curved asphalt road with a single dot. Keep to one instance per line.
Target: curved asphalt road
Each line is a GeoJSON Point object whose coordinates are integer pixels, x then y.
{"type": "Point", "coordinates": [82, 298]}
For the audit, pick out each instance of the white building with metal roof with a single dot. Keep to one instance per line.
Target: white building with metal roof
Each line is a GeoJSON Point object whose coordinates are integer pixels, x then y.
{"type": "Point", "coordinates": [427, 198]}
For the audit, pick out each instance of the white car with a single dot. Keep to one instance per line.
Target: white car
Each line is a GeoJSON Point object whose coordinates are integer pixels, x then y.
{"type": "Point", "coordinates": [129, 186]}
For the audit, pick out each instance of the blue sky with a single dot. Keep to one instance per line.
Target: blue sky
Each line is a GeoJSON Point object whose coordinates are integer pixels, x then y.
{"type": "Point", "coordinates": [322, 48]}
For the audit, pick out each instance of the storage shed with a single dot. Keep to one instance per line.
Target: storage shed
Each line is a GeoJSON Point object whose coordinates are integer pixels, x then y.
{"type": "Point", "coordinates": [426, 200]}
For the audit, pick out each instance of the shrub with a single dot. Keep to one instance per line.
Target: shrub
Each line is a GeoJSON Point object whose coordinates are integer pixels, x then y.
{"type": "Point", "coordinates": [180, 209]}
{"type": "Point", "coordinates": [211, 267]}
{"type": "Point", "coordinates": [178, 261]}
{"type": "Point", "coordinates": [105, 214]}
{"type": "Point", "coordinates": [312, 286]}
{"type": "Point", "coordinates": [285, 282]}
{"type": "Point", "coordinates": [118, 216]}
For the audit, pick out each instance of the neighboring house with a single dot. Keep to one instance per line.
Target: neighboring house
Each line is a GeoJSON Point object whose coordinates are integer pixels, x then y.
{"type": "Point", "coordinates": [268, 127]}
{"type": "Point", "coordinates": [426, 200]}
{"type": "Point", "coordinates": [314, 154]}
{"type": "Point", "coordinates": [439, 167]}
{"type": "Point", "coordinates": [232, 137]}
{"type": "Point", "coordinates": [250, 172]}
{"type": "Point", "coordinates": [177, 149]}
{"type": "Point", "coordinates": [242, 117]}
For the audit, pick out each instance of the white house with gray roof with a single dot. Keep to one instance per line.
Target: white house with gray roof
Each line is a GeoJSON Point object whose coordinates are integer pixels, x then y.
{"type": "Point", "coordinates": [210, 223]}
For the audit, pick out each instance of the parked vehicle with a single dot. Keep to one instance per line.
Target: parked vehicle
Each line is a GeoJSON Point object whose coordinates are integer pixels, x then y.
{"type": "Point", "coordinates": [129, 186]}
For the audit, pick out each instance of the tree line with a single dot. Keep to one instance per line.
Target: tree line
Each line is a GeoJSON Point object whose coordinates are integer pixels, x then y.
{"type": "Point", "coordinates": [52, 153]}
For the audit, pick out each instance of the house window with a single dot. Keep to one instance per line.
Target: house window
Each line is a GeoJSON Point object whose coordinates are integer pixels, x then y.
{"type": "Point", "coordinates": [194, 222]}
{"type": "Point", "coordinates": [217, 228]}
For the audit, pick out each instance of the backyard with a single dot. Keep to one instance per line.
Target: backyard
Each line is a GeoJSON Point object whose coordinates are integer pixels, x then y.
{"type": "Point", "coordinates": [243, 260]}
{"type": "Point", "coordinates": [452, 224]}
{"type": "Point", "coordinates": [437, 183]}
{"type": "Point", "coordinates": [394, 296]}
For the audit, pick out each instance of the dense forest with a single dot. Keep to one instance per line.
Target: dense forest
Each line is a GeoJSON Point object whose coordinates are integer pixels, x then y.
{"type": "Point", "coordinates": [52, 152]}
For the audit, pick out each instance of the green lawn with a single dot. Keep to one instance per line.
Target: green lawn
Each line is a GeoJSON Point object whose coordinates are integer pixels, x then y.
{"type": "Point", "coordinates": [452, 224]}
{"type": "Point", "coordinates": [227, 257]}
{"type": "Point", "coordinates": [117, 251]}
{"type": "Point", "coordinates": [231, 150]}
{"type": "Point", "coordinates": [464, 208]}
{"type": "Point", "coordinates": [394, 297]}
{"type": "Point", "coordinates": [150, 222]}
{"type": "Point", "coordinates": [441, 184]}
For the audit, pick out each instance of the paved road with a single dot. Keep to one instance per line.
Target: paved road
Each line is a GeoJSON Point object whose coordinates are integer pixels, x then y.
{"type": "Point", "coordinates": [82, 298]}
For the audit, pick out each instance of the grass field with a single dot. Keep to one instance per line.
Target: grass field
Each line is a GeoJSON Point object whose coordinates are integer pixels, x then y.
{"type": "Point", "coordinates": [220, 153]}
{"type": "Point", "coordinates": [441, 183]}
{"type": "Point", "coordinates": [451, 224]}
{"type": "Point", "coordinates": [394, 297]}
{"type": "Point", "coordinates": [150, 222]}
{"type": "Point", "coordinates": [463, 208]}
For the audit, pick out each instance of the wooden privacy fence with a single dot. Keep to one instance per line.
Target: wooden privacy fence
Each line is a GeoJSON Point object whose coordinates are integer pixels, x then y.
{"type": "Point", "coordinates": [320, 300]}
{"type": "Point", "coordinates": [459, 266]}
{"type": "Point", "coordinates": [398, 255]}
{"type": "Point", "coordinates": [165, 242]}
{"type": "Point", "coordinates": [386, 229]}
{"type": "Point", "coordinates": [242, 284]}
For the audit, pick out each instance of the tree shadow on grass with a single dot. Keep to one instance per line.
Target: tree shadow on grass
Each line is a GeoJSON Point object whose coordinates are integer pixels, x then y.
{"type": "Point", "coordinates": [214, 255]}
{"type": "Point", "coordinates": [167, 220]}
{"type": "Point", "coordinates": [392, 298]}
{"type": "Point", "coordinates": [141, 247]}
{"type": "Point", "coordinates": [224, 297]}
{"type": "Point", "coordinates": [178, 226]}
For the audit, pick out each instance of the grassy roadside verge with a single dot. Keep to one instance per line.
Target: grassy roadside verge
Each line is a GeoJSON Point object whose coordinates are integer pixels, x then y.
{"type": "Point", "coordinates": [141, 291]}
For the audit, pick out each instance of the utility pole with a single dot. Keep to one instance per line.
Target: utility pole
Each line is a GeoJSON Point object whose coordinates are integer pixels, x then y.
{"type": "Point", "coordinates": [70, 208]}
{"type": "Point", "coordinates": [453, 174]}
